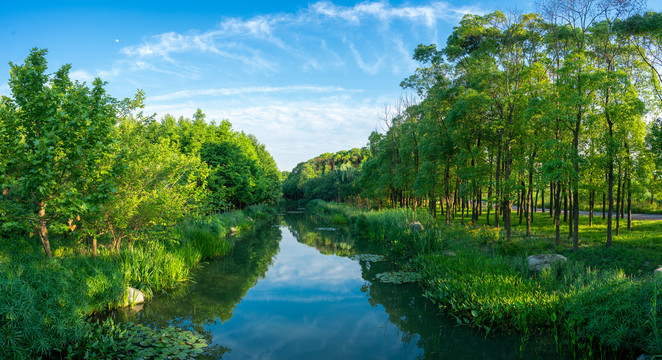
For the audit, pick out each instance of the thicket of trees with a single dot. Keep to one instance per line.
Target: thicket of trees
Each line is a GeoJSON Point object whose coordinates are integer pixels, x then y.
{"type": "Point", "coordinates": [332, 177]}
{"type": "Point", "coordinates": [529, 110]}
{"type": "Point", "coordinates": [75, 160]}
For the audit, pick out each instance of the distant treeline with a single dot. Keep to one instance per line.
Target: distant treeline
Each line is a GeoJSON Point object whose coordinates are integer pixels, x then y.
{"type": "Point", "coordinates": [332, 177]}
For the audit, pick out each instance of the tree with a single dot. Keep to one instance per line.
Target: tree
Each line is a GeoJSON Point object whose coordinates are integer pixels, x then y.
{"type": "Point", "coordinates": [57, 144]}
{"type": "Point", "coordinates": [155, 184]}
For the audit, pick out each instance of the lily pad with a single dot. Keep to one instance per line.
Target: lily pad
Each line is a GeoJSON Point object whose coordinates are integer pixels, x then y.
{"type": "Point", "coordinates": [398, 277]}
{"type": "Point", "coordinates": [368, 257]}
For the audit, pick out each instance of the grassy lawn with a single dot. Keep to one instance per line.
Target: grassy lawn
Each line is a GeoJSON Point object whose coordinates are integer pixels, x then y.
{"type": "Point", "coordinates": [637, 251]}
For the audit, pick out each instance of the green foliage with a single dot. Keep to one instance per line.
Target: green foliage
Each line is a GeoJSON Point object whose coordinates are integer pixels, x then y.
{"type": "Point", "coordinates": [57, 144]}
{"type": "Point", "coordinates": [338, 219]}
{"type": "Point", "coordinates": [44, 303]}
{"type": "Point", "coordinates": [618, 314]}
{"type": "Point", "coordinates": [398, 277]}
{"type": "Point", "coordinates": [75, 161]}
{"type": "Point", "coordinates": [108, 340]}
{"type": "Point", "coordinates": [327, 177]}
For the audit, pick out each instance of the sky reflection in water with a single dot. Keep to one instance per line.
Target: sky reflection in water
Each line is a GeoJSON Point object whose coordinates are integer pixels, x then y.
{"type": "Point", "coordinates": [310, 305]}
{"type": "Point", "coordinates": [278, 296]}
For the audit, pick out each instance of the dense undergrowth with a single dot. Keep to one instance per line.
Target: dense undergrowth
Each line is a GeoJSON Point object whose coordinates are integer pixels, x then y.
{"type": "Point", "coordinates": [44, 303]}
{"type": "Point", "coordinates": [484, 281]}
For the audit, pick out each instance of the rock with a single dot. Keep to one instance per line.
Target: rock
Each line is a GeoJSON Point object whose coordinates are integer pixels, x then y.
{"type": "Point", "coordinates": [448, 253]}
{"type": "Point", "coordinates": [415, 226]}
{"type": "Point", "coordinates": [542, 261]}
{"type": "Point", "coordinates": [657, 271]}
{"type": "Point", "coordinates": [133, 296]}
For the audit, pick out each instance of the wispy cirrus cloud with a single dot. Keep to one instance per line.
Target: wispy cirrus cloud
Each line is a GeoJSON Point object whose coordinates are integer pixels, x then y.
{"type": "Point", "coordinates": [427, 14]}
{"type": "Point", "coordinates": [183, 94]}
{"type": "Point", "coordinates": [304, 82]}
{"type": "Point", "coordinates": [303, 37]}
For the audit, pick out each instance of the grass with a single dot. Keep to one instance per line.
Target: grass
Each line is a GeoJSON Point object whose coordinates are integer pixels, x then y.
{"type": "Point", "coordinates": [637, 251]}
{"type": "Point", "coordinates": [601, 303]}
{"type": "Point", "coordinates": [44, 303]}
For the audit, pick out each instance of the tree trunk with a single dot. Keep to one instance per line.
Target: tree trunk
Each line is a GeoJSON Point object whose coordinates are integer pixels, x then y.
{"type": "Point", "coordinates": [552, 201]}
{"type": "Point", "coordinates": [557, 212]}
{"type": "Point", "coordinates": [572, 218]}
{"type": "Point", "coordinates": [480, 203]}
{"type": "Point", "coordinates": [623, 196]}
{"type": "Point", "coordinates": [507, 204]}
{"type": "Point", "coordinates": [94, 246]}
{"type": "Point", "coordinates": [489, 203]}
{"type": "Point", "coordinates": [43, 229]}
{"type": "Point", "coordinates": [610, 180]}
{"type": "Point", "coordinates": [565, 204]}
{"type": "Point", "coordinates": [497, 188]}
{"type": "Point", "coordinates": [530, 206]}
{"type": "Point", "coordinates": [629, 203]}
{"type": "Point", "coordinates": [591, 202]}
{"type": "Point", "coordinates": [618, 200]}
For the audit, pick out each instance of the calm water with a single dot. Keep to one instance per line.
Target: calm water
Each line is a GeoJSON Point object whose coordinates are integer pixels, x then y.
{"type": "Point", "coordinates": [291, 291]}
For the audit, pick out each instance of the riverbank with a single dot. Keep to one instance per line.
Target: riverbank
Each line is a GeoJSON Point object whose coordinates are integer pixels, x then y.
{"type": "Point", "coordinates": [482, 280]}
{"type": "Point", "coordinates": [45, 302]}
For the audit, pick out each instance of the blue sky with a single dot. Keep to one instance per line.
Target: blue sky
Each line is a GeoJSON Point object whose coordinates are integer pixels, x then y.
{"type": "Point", "coordinates": [304, 77]}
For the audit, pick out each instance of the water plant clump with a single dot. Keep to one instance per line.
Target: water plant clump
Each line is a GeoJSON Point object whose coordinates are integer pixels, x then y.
{"type": "Point", "coordinates": [108, 340]}
{"type": "Point", "coordinates": [398, 277]}
{"type": "Point", "coordinates": [326, 229]}
{"type": "Point", "coordinates": [368, 257]}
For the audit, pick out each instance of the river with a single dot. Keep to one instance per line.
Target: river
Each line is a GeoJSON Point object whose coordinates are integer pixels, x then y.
{"type": "Point", "coordinates": [295, 290]}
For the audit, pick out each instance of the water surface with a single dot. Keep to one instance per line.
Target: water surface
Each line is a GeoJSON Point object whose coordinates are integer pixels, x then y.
{"type": "Point", "coordinates": [293, 291]}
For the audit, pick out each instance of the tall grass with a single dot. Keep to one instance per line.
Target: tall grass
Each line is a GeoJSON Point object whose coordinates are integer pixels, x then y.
{"type": "Point", "coordinates": [43, 303]}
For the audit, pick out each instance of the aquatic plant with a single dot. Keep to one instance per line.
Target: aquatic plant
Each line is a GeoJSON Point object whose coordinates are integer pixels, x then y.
{"type": "Point", "coordinates": [108, 340]}
{"type": "Point", "coordinates": [398, 277]}
{"type": "Point", "coordinates": [368, 257]}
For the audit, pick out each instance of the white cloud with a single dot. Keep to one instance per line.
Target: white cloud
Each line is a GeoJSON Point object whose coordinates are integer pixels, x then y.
{"type": "Point", "coordinates": [81, 75]}
{"type": "Point", "coordinates": [250, 70]}
{"type": "Point", "coordinates": [183, 94]}
{"type": "Point", "coordinates": [298, 35]}
{"type": "Point", "coordinates": [383, 11]}
{"type": "Point", "coordinates": [4, 89]}
{"type": "Point", "coordinates": [370, 69]}
{"type": "Point", "coordinates": [292, 130]}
